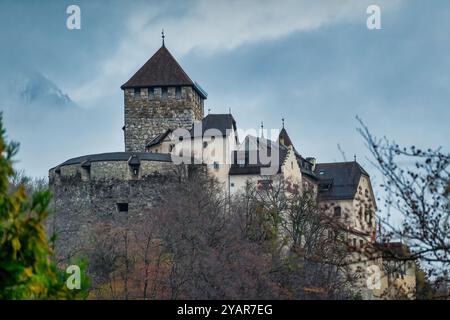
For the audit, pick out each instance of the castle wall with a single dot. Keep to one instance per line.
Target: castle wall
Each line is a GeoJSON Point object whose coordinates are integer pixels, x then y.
{"type": "Point", "coordinates": [148, 114]}
{"type": "Point", "coordinates": [85, 198]}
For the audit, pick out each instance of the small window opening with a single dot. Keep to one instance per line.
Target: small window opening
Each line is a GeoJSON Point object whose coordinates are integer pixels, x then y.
{"type": "Point", "coordinates": [137, 93]}
{"type": "Point", "coordinates": [122, 207]}
{"type": "Point", "coordinates": [337, 211]}
{"type": "Point", "coordinates": [151, 93]}
{"type": "Point", "coordinates": [164, 93]}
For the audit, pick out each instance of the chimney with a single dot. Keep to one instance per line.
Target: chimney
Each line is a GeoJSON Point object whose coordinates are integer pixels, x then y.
{"type": "Point", "coordinates": [313, 162]}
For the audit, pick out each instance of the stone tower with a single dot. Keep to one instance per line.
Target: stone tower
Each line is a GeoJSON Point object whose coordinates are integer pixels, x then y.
{"type": "Point", "coordinates": [159, 96]}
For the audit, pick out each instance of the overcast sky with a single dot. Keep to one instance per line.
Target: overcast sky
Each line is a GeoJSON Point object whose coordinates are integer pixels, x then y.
{"type": "Point", "coordinates": [314, 63]}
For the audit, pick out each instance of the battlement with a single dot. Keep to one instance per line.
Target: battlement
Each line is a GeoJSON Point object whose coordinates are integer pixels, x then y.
{"type": "Point", "coordinates": [151, 111]}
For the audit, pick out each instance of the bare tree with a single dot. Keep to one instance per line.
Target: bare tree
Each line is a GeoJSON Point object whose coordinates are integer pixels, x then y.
{"type": "Point", "coordinates": [307, 249]}
{"type": "Point", "coordinates": [208, 255]}
{"type": "Point", "coordinates": [196, 244]}
{"type": "Point", "coordinates": [416, 184]}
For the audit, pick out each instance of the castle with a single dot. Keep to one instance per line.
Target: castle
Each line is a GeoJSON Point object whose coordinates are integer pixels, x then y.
{"type": "Point", "coordinates": [164, 125]}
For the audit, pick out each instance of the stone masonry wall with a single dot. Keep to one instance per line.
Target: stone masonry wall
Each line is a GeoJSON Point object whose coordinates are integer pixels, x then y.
{"type": "Point", "coordinates": [82, 200]}
{"type": "Point", "coordinates": [147, 116]}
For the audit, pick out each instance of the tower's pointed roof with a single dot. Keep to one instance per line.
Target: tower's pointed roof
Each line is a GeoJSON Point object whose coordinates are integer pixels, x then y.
{"type": "Point", "coordinates": [284, 139]}
{"type": "Point", "coordinates": [160, 70]}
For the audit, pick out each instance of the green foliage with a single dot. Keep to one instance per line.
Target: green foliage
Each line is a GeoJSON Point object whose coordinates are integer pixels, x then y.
{"type": "Point", "coordinates": [26, 271]}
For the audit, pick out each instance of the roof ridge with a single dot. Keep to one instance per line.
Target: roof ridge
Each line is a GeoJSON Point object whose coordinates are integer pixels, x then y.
{"type": "Point", "coordinates": [170, 54]}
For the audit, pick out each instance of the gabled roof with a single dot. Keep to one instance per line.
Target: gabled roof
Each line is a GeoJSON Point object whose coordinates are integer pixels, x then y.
{"type": "Point", "coordinates": [284, 139]}
{"type": "Point", "coordinates": [306, 167]}
{"type": "Point", "coordinates": [342, 179]}
{"type": "Point", "coordinates": [156, 140]}
{"type": "Point", "coordinates": [250, 150]}
{"type": "Point", "coordinates": [159, 71]}
{"type": "Point", "coordinates": [220, 122]}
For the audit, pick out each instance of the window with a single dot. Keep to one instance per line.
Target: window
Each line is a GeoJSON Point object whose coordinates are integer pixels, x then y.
{"type": "Point", "coordinates": [151, 93]}
{"type": "Point", "coordinates": [354, 242]}
{"type": "Point", "coordinates": [171, 147]}
{"type": "Point", "coordinates": [164, 93]}
{"type": "Point", "coordinates": [178, 92]}
{"type": "Point", "coordinates": [216, 165]}
{"type": "Point", "coordinates": [369, 217]}
{"type": "Point", "coordinates": [205, 144]}
{"type": "Point", "coordinates": [361, 243]}
{"type": "Point", "coordinates": [122, 207]}
{"type": "Point", "coordinates": [232, 184]}
{"type": "Point", "coordinates": [180, 138]}
{"type": "Point", "coordinates": [137, 93]}
{"type": "Point", "coordinates": [337, 211]}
